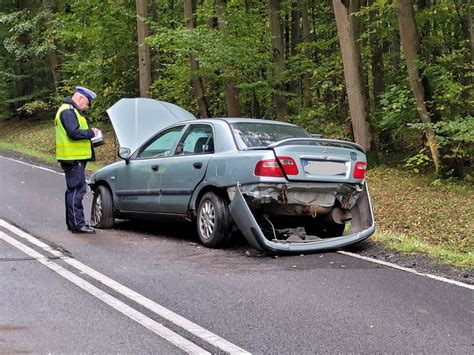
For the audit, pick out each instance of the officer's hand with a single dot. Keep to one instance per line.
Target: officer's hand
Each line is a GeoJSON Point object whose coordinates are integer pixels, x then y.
{"type": "Point", "coordinates": [96, 131]}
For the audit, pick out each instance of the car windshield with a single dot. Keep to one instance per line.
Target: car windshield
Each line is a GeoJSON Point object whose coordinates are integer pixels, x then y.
{"type": "Point", "coordinates": [256, 134]}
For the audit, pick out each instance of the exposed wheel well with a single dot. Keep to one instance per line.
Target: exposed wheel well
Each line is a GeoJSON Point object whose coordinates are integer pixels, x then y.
{"type": "Point", "coordinates": [217, 190]}
{"type": "Point", "coordinates": [100, 183]}
{"type": "Point", "coordinates": [105, 184]}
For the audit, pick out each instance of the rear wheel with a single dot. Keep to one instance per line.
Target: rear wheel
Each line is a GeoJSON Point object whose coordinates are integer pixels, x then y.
{"type": "Point", "coordinates": [102, 215]}
{"type": "Point", "coordinates": [213, 221]}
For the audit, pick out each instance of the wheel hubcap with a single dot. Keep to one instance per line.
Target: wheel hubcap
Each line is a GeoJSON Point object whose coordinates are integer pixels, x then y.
{"type": "Point", "coordinates": [207, 219]}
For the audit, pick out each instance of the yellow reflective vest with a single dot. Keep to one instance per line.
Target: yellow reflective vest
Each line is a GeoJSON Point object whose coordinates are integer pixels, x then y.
{"type": "Point", "coordinates": [66, 148]}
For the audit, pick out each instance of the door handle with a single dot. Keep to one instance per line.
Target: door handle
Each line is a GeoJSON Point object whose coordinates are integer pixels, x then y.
{"type": "Point", "coordinates": [197, 165]}
{"type": "Point", "coordinates": [155, 167]}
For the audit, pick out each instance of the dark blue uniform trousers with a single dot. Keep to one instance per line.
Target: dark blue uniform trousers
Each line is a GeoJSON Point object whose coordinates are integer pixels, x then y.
{"type": "Point", "coordinates": [76, 188]}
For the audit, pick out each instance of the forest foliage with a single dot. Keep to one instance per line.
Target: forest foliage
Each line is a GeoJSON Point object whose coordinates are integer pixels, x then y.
{"type": "Point", "coordinates": [48, 47]}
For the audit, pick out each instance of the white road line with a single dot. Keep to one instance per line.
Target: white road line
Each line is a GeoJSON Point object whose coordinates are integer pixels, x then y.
{"type": "Point", "coordinates": [407, 269]}
{"type": "Point", "coordinates": [138, 317]}
{"type": "Point", "coordinates": [163, 312]}
{"type": "Point", "coordinates": [31, 165]}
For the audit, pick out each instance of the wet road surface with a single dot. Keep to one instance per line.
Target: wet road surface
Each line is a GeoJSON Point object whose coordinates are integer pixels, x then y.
{"type": "Point", "coordinates": [314, 303]}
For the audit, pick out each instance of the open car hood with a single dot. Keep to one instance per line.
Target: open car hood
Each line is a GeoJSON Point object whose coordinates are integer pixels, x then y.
{"type": "Point", "coordinates": [135, 120]}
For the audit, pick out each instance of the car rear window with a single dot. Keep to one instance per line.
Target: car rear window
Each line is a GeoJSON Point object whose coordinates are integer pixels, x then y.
{"type": "Point", "coordinates": [255, 134]}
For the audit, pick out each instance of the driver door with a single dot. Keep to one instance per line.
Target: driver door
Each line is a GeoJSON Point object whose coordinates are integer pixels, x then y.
{"type": "Point", "coordinates": [139, 182]}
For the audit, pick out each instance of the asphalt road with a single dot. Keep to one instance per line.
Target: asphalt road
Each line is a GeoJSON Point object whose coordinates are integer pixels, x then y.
{"type": "Point", "coordinates": [151, 288]}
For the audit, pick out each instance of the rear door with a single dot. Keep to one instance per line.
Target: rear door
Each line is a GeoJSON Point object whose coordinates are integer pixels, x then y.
{"type": "Point", "coordinates": [182, 172]}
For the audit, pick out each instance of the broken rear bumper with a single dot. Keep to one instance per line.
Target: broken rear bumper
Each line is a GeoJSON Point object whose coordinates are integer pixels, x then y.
{"type": "Point", "coordinates": [362, 227]}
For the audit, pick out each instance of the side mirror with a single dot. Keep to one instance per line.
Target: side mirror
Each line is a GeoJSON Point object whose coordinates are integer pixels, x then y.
{"type": "Point", "coordinates": [125, 154]}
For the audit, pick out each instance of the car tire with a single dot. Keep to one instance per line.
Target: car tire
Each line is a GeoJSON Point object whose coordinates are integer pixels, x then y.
{"type": "Point", "coordinates": [102, 215]}
{"type": "Point", "coordinates": [324, 229]}
{"type": "Point", "coordinates": [213, 221]}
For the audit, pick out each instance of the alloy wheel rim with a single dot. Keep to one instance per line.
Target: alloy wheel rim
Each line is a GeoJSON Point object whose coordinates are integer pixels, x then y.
{"type": "Point", "coordinates": [98, 209]}
{"type": "Point", "coordinates": [207, 219]}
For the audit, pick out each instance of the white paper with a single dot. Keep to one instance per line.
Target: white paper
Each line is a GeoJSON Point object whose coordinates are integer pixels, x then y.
{"type": "Point", "coordinates": [98, 137]}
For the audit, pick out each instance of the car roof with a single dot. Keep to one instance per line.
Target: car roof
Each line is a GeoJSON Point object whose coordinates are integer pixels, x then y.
{"type": "Point", "coordinates": [244, 120]}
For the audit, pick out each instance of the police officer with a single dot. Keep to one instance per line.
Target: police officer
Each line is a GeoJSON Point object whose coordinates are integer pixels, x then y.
{"type": "Point", "coordinates": [73, 151]}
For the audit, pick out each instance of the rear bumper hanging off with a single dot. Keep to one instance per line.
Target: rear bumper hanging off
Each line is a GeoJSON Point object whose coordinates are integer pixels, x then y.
{"type": "Point", "coordinates": [362, 227]}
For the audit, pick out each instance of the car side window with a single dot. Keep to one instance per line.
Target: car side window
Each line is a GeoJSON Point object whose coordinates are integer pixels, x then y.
{"type": "Point", "coordinates": [161, 145]}
{"type": "Point", "coordinates": [197, 140]}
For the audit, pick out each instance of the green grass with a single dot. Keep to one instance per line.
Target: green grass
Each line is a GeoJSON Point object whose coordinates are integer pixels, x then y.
{"type": "Point", "coordinates": [37, 139]}
{"type": "Point", "coordinates": [18, 148]}
{"type": "Point", "coordinates": [414, 245]}
{"type": "Point", "coordinates": [414, 214]}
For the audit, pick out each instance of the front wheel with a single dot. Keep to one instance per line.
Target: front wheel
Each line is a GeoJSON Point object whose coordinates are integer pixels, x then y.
{"type": "Point", "coordinates": [102, 215]}
{"type": "Point", "coordinates": [213, 221]}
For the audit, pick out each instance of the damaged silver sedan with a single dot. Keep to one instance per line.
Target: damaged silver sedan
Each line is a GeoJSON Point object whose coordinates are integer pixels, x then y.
{"type": "Point", "coordinates": [285, 190]}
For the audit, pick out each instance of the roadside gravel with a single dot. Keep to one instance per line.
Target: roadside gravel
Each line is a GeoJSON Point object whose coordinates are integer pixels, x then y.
{"type": "Point", "coordinates": [417, 262]}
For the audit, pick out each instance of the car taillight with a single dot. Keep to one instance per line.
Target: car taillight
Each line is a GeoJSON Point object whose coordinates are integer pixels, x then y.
{"type": "Point", "coordinates": [268, 168]}
{"type": "Point", "coordinates": [289, 165]}
{"type": "Point", "coordinates": [360, 169]}
{"type": "Point", "coordinates": [271, 167]}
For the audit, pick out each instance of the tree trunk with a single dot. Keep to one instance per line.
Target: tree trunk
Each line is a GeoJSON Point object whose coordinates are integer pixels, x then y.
{"type": "Point", "coordinates": [49, 7]}
{"type": "Point", "coordinates": [295, 26]}
{"type": "Point", "coordinates": [154, 11]}
{"type": "Point", "coordinates": [255, 105]}
{"type": "Point", "coordinates": [143, 49]}
{"type": "Point", "coordinates": [410, 44]}
{"type": "Point", "coordinates": [154, 52]}
{"type": "Point", "coordinates": [471, 31]}
{"type": "Point", "coordinates": [278, 59]}
{"type": "Point", "coordinates": [22, 85]}
{"type": "Point", "coordinates": [356, 27]}
{"type": "Point", "coordinates": [376, 60]}
{"type": "Point", "coordinates": [395, 51]}
{"type": "Point", "coordinates": [295, 39]}
{"type": "Point", "coordinates": [306, 38]}
{"type": "Point", "coordinates": [231, 91]}
{"type": "Point", "coordinates": [196, 80]}
{"type": "Point", "coordinates": [466, 23]}
{"type": "Point", "coordinates": [350, 60]}
{"type": "Point", "coordinates": [171, 6]}
{"type": "Point", "coordinates": [248, 6]}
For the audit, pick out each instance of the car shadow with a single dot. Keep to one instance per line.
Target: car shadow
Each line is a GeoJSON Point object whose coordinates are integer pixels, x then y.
{"type": "Point", "coordinates": [186, 232]}
{"type": "Point", "coordinates": [175, 231]}
{"type": "Point", "coordinates": [238, 247]}
{"type": "Point", "coordinates": [363, 247]}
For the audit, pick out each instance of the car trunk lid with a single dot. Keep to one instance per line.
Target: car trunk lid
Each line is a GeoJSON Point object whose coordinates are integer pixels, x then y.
{"type": "Point", "coordinates": [319, 160]}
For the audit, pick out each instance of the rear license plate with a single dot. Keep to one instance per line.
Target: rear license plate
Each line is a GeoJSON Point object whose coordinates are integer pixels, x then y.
{"type": "Point", "coordinates": [325, 168]}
